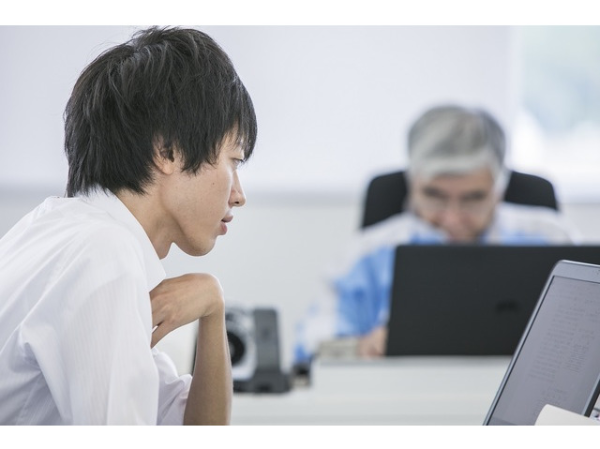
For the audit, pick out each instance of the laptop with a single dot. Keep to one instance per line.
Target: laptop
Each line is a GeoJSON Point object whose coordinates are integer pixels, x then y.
{"type": "Point", "coordinates": [469, 299]}
{"type": "Point", "coordinates": [557, 361]}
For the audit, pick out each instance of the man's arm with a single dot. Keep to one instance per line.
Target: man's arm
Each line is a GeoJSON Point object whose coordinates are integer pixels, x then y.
{"type": "Point", "coordinates": [209, 400]}
{"type": "Point", "coordinates": [180, 301]}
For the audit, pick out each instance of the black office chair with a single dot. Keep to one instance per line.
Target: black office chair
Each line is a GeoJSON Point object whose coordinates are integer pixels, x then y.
{"type": "Point", "coordinates": [386, 194]}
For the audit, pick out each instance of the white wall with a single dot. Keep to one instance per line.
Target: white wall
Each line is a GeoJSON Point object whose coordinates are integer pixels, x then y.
{"type": "Point", "coordinates": [333, 102]}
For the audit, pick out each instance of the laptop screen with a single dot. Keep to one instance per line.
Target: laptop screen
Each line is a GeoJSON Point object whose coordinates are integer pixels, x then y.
{"type": "Point", "coordinates": [557, 361]}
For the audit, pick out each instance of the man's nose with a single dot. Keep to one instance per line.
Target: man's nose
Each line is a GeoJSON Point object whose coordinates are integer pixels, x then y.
{"type": "Point", "coordinates": [452, 213]}
{"type": "Point", "coordinates": [238, 197]}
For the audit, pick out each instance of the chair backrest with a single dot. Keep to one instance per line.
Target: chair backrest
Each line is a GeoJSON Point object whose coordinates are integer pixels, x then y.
{"type": "Point", "coordinates": [386, 194]}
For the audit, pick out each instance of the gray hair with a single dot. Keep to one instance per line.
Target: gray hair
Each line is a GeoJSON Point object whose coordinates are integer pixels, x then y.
{"type": "Point", "coordinates": [454, 140]}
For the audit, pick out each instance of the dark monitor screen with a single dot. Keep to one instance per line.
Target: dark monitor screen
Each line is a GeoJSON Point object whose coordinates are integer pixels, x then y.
{"type": "Point", "coordinates": [469, 299]}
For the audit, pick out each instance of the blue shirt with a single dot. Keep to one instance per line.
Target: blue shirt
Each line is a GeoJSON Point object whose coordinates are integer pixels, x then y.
{"type": "Point", "coordinates": [356, 296]}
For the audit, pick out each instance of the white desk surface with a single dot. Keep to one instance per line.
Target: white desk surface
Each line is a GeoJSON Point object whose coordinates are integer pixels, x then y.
{"type": "Point", "coordinates": [392, 391]}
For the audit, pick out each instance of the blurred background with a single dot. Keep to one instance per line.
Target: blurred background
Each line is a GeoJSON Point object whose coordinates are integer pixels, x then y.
{"type": "Point", "coordinates": [333, 104]}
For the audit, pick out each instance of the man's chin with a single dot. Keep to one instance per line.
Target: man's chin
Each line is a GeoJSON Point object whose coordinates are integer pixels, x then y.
{"type": "Point", "coordinates": [460, 239]}
{"type": "Point", "coordinates": [197, 251]}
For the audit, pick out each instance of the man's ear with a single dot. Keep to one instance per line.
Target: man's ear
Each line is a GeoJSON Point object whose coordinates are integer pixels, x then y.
{"type": "Point", "coordinates": [165, 158]}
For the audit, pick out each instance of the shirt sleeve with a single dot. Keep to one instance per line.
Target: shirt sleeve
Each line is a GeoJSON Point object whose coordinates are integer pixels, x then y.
{"type": "Point", "coordinates": [351, 304]}
{"type": "Point", "coordinates": [173, 392]}
{"type": "Point", "coordinates": [531, 225]}
{"type": "Point", "coordinates": [90, 334]}
{"type": "Point", "coordinates": [364, 293]}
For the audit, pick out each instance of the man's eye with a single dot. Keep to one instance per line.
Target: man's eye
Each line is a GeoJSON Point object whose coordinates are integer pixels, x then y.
{"type": "Point", "coordinates": [432, 193]}
{"type": "Point", "coordinates": [475, 197]}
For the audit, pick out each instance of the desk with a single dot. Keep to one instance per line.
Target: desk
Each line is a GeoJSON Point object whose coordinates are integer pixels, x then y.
{"type": "Point", "coordinates": [392, 391]}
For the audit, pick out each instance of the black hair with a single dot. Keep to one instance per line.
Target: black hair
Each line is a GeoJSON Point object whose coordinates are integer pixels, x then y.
{"type": "Point", "coordinates": [166, 85]}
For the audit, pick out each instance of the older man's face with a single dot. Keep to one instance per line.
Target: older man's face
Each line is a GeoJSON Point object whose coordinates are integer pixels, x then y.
{"type": "Point", "coordinates": [462, 206]}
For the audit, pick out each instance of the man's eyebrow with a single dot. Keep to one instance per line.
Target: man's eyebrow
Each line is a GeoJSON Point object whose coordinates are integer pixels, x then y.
{"type": "Point", "coordinates": [475, 194]}
{"type": "Point", "coordinates": [429, 190]}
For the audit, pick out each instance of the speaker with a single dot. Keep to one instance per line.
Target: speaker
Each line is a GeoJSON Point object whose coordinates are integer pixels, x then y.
{"type": "Point", "coordinates": [239, 323]}
{"type": "Point", "coordinates": [253, 336]}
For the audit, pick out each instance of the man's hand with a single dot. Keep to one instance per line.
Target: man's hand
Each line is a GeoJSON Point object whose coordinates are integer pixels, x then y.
{"type": "Point", "coordinates": [182, 300]}
{"type": "Point", "coordinates": [373, 344]}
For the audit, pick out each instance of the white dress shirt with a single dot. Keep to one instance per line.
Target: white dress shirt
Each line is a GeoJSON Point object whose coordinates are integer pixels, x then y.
{"type": "Point", "coordinates": [76, 320]}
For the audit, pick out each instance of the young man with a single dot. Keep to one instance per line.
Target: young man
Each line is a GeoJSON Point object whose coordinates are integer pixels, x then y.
{"type": "Point", "coordinates": [155, 130]}
{"type": "Point", "coordinates": [456, 179]}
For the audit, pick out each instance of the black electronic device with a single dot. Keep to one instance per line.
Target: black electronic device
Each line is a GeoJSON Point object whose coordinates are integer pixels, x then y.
{"type": "Point", "coordinates": [469, 299]}
{"type": "Point", "coordinates": [253, 336]}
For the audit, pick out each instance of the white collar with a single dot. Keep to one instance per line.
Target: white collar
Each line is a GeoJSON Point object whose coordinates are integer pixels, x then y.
{"type": "Point", "coordinates": [111, 204]}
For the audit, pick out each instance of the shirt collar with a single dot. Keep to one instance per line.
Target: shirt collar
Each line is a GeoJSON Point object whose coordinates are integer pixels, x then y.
{"type": "Point", "coordinates": [110, 203]}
